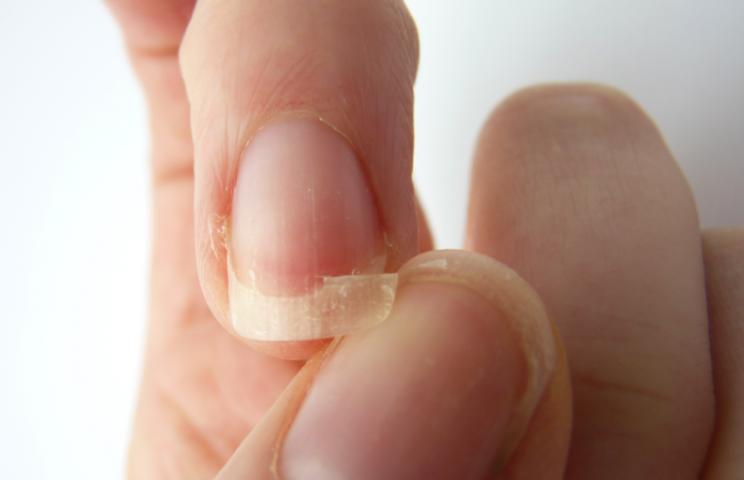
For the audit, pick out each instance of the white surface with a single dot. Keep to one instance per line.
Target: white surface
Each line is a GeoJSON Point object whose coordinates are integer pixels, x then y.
{"type": "Point", "coordinates": [73, 176]}
{"type": "Point", "coordinates": [74, 243]}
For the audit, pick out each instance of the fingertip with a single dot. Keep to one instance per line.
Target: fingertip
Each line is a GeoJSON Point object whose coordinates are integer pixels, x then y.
{"type": "Point", "coordinates": [347, 64]}
{"type": "Point", "coordinates": [448, 383]}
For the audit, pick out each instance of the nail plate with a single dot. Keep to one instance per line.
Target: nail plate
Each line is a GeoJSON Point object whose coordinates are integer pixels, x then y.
{"type": "Point", "coordinates": [307, 251]}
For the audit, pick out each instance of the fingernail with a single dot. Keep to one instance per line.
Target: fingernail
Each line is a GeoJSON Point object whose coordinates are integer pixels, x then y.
{"type": "Point", "coordinates": [445, 388]}
{"type": "Point", "coordinates": [307, 251]}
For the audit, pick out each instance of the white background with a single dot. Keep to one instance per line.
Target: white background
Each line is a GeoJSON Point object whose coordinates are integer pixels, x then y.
{"type": "Point", "coordinates": [74, 215]}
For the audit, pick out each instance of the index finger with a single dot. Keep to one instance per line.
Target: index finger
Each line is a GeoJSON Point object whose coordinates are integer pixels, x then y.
{"type": "Point", "coordinates": [303, 136]}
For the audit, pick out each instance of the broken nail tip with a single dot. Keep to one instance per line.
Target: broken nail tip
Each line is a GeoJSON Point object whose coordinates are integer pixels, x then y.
{"type": "Point", "coordinates": [340, 305]}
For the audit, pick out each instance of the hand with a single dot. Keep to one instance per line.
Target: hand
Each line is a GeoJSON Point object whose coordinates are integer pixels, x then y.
{"type": "Point", "coordinates": [573, 188]}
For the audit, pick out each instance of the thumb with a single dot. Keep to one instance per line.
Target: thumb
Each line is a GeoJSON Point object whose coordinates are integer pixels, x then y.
{"type": "Point", "coordinates": [464, 380]}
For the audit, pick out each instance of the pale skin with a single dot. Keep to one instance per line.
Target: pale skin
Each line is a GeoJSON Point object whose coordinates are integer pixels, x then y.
{"type": "Point", "coordinates": [573, 188]}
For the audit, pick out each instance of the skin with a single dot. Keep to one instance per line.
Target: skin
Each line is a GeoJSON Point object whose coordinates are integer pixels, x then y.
{"type": "Point", "coordinates": [573, 189]}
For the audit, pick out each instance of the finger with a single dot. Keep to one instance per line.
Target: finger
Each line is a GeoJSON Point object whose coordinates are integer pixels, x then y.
{"type": "Point", "coordinates": [724, 273]}
{"type": "Point", "coordinates": [155, 27]}
{"type": "Point", "coordinates": [302, 121]}
{"type": "Point", "coordinates": [153, 31]}
{"type": "Point", "coordinates": [543, 451]}
{"type": "Point", "coordinates": [574, 188]}
{"type": "Point", "coordinates": [181, 423]}
{"type": "Point", "coordinates": [442, 390]}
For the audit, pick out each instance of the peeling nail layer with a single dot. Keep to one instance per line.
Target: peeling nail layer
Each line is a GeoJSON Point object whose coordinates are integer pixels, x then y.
{"type": "Point", "coordinates": [336, 306]}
